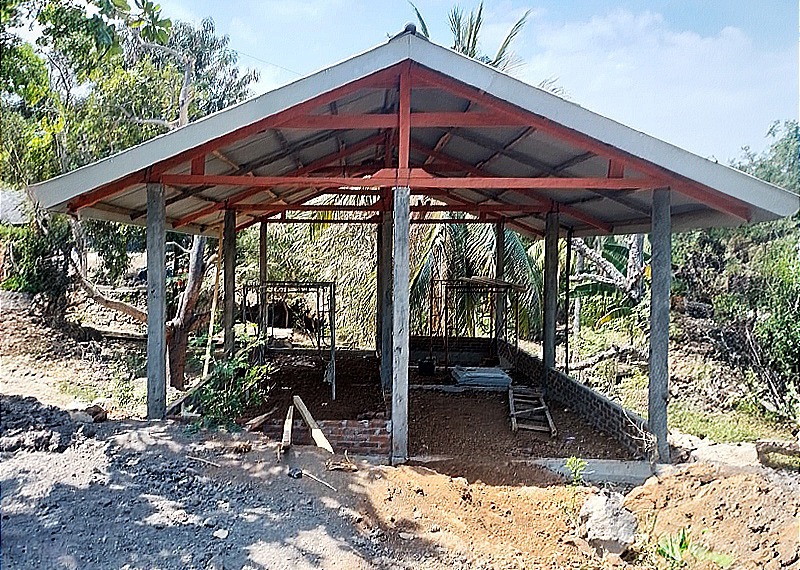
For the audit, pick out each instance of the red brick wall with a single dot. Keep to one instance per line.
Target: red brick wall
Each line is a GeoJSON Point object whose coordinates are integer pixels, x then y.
{"type": "Point", "coordinates": [361, 437]}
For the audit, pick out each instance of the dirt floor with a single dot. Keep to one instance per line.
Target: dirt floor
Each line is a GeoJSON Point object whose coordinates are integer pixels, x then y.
{"type": "Point", "coordinates": [358, 389]}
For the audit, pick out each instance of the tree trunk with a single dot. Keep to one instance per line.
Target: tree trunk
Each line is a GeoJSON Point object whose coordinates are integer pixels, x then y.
{"type": "Point", "coordinates": [185, 320]}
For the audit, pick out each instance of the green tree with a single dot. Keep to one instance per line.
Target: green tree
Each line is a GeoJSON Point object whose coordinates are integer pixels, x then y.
{"type": "Point", "coordinates": [466, 31]}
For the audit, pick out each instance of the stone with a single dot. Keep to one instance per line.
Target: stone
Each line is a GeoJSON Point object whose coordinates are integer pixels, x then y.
{"type": "Point", "coordinates": [406, 536]}
{"type": "Point", "coordinates": [606, 524]}
{"type": "Point", "coordinates": [81, 417]}
{"type": "Point", "coordinates": [221, 533]}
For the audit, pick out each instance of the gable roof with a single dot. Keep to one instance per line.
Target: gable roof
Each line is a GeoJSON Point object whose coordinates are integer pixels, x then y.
{"type": "Point", "coordinates": [563, 139]}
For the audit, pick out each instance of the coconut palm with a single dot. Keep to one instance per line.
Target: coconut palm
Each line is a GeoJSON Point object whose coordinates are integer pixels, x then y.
{"type": "Point", "coordinates": [466, 30]}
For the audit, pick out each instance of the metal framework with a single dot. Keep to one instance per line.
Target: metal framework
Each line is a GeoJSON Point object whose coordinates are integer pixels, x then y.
{"type": "Point", "coordinates": [468, 307]}
{"type": "Point", "coordinates": [258, 303]}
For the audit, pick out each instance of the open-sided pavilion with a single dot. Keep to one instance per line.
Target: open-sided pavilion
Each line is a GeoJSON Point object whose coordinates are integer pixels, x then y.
{"type": "Point", "coordinates": [408, 118]}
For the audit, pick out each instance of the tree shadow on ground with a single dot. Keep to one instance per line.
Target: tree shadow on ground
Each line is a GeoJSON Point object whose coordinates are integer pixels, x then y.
{"type": "Point", "coordinates": [153, 496]}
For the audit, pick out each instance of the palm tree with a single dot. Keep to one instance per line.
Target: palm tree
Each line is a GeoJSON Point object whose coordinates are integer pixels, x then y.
{"type": "Point", "coordinates": [466, 30]}
{"type": "Point", "coordinates": [449, 251]}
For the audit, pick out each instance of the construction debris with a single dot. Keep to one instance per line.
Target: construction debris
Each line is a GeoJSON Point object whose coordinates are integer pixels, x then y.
{"type": "Point", "coordinates": [476, 376]}
{"type": "Point", "coordinates": [286, 440]}
{"type": "Point", "coordinates": [296, 473]}
{"type": "Point", "coordinates": [316, 433]}
{"type": "Point", "coordinates": [258, 421]}
{"type": "Point", "coordinates": [346, 465]}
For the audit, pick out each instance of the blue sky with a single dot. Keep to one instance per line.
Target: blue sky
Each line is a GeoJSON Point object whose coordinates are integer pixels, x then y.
{"type": "Point", "coordinates": [707, 75]}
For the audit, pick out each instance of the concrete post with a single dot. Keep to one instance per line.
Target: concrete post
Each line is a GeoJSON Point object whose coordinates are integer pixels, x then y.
{"type": "Point", "coordinates": [661, 266]}
{"type": "Point", "coordinates": [229, 281]}
{"type": "Point", "coordinates": [500, 274]}
{"type": "Point", "coordinates": [262, 277]}
{"type": "Point", "coordinates": [400, 324]}
{"type": "Point", "coordinates": [156, 303]}
{"type": "Point", "coordinates": [385, 286]}
{"type": "Point", "coordinates": [550, 293]}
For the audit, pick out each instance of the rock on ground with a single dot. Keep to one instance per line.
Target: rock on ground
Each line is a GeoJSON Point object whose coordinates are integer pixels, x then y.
{"type": "Point", "coordinates": [607, 526]}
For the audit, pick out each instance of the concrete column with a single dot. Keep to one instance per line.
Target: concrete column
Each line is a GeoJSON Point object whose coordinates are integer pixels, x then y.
{"type": "Point", "coordinates": [661, 266]}
{"type": "Point", "coordinates": [379, 287]}
{"type": "Point", "coordinates": [385, 286]}
{"type": "Point", "coordinates": [550, 292]}
{"type": "Point", "coordinates": [229, 281]}
{"type": "Point", "coordinates": [156, 303]}
{"type": "Point", "coordinates": [500, 275]}
{"type": "Point", "coordinates": [262, 276]}
{"type": "Point", "coordinates": [400, 324]}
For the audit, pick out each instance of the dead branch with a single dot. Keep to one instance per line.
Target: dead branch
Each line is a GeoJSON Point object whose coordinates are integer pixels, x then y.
{"type": "Point", "coordinates": [613, 352]}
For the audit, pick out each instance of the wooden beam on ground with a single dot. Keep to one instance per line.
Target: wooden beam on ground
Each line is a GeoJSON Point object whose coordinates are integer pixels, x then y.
{"type": "Point", "coordinates": [156, 303]}
{"type": "Point", "coordinates": [316, 433]}
{"type": "Point", "coordinates": [288, 424]}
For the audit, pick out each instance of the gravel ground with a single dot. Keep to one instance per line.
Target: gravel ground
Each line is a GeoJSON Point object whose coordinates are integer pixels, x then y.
{"type": "Point", "coordinates": [135, 496]}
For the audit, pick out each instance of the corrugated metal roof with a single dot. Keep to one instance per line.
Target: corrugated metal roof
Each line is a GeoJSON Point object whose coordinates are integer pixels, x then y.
{"type": "Point", "coordinates": [501, 151]}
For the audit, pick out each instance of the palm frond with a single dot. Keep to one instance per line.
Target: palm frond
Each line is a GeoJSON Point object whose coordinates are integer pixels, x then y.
{"type": "Point", "coordinates": [504, 59]}
{"type": "Point", "coordinates": [423, 28]}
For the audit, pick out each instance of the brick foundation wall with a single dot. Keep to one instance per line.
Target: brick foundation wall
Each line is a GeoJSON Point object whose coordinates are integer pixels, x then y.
{"type": "Point", "coordinates": [625, 426]}
{"type": "Point", "coordinates": [360, 437]}
{"type": "Point", "coordinates": [466, 351]}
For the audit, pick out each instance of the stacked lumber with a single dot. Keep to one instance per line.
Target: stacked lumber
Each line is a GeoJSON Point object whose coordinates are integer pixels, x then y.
{"type": "Point", "coordinates": [480, 377]}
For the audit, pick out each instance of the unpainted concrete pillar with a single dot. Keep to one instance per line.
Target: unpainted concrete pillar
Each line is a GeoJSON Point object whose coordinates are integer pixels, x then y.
{"type": "Point", "coordinates": [400, 324]}
{"type": "Point", "coordinates": [156, 303]}
{"type": "Point", "coordinates": [661, 269]}
{"type": "Point", "coordinates": [550, 304]}
{"type": "Point", "coordinates": [229, 281]}
{"type": "Point", "coordinates": [385, 287]}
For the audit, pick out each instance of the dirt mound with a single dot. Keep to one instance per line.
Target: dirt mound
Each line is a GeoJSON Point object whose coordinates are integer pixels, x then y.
{"type": "Point", "coordinates": [751, 516]}
{"type": "Point", "coordinates": [26, 423]}
{"type": "Point", "coordinates": [481, 525]}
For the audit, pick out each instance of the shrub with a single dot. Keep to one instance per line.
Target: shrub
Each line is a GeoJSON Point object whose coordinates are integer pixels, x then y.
{"type": "Point", "coordinates": [234, 386]}
{"type": "Point", "coordinates": [40, 261]}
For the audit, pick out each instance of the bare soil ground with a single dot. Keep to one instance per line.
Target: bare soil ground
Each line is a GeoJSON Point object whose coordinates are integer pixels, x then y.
{"type": "Point", "coordinates": [358, 389]}
{"type": "Point", "coordinates": [129, 494]}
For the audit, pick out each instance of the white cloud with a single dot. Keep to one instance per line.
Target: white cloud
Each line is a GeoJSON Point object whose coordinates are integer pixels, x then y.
{"type": "Point", "coordinates": [708, 94]}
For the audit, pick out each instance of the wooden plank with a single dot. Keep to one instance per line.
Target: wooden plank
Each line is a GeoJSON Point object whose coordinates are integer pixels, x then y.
{"type": "Point", "coordinates": [258, 421]}
{"type": "Point", "coordinates": [512, 409]}
{"type": "Point", "coordinates": [286, 440]}
{"type": "Point", "coordinates": [316, 433]}
{"type": "Point", "coordinates": [553, 430]}
{"type": "Point", "coordinates": [531, 411]}
{"type": "Point", "coordinates": [533, 427]}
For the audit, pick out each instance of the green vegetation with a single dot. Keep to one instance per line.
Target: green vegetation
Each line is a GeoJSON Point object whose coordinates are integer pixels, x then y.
{"type": "Point", "coordinates": [678, 549]}
{"type": "Point", "coordinates": [39, 259]}
{"type": "Point", "coordinates": [234, 386]}
{"type": "Point", "coordinates": [576, 467]}
{"type": "Point", "coordinates": [727, 426]}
